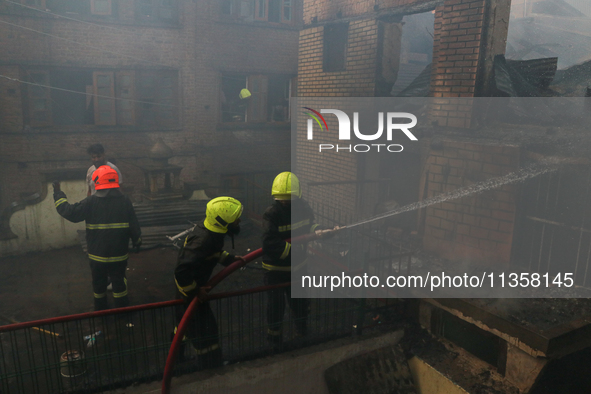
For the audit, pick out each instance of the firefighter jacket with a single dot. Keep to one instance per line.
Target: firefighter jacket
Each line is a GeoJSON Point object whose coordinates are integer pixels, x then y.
{"type": "Point", "coordinates": [278, 226]}
{"type": "Point", "coordinates": [202, 250]}
{"type": "Point", "coordinates": [110, 223]}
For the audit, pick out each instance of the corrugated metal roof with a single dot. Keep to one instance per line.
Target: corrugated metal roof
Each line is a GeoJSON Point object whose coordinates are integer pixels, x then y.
{"type": "Point", "coordinates": [525, 78]}
{"type": "Point", "coordinates": [420, 86]}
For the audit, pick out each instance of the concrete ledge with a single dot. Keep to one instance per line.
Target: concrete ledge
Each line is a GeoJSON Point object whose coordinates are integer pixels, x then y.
{"type": "Point", "coordinates": [296, 372]}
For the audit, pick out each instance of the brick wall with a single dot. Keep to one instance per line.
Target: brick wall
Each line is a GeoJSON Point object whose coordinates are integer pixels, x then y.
{"type": "Point", "coordinates": [358, 78]}
{"type": "Point", "coordinates": [456, 57]}
{"type": "Point", "coordinates": [457, 46]}
{"type": "Point", "coordinates": [477, 228]}
{"type": "Point", "coordinates": [467, 36]}
{"type": "Point", "coordinates": [313, 166]}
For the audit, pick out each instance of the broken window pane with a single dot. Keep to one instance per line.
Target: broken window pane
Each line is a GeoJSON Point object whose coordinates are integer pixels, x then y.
{"type": "Point", "coordinates": [407, 53]}
{"type": "Point", "coordinates": [286, 10]}
{"type": "Point", "coordinates": [233, 108]}
{"type": "Point", "coordinates": [335, 47]}
{"type": "Point", "coordinates": [269, 100]}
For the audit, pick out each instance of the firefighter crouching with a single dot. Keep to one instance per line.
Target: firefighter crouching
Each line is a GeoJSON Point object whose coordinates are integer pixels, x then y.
{"type": "Point", "coordinates": [110, 223]}
{"type": "Point", "coordinates": [202, 250]}
{"type": "Point", "coordinates": [278, 257]}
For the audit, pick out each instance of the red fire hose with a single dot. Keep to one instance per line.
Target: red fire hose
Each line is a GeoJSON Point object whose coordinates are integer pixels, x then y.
{"type": "Point", "coordinates": [216, 279]}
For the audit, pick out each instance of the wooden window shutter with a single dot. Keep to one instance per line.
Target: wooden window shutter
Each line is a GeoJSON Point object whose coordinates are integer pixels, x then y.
{"type": "Point", "coordinates": [104, 103]}
{"type": "Point", "coordinates": [125, 93]}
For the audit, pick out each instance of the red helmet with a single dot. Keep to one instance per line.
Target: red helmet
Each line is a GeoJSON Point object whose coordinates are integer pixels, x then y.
{"type": "Point", "coordinates": [105, 177]}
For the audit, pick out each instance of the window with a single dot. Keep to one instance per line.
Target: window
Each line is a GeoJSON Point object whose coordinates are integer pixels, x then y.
{"type": "Point", "coordinates": [104, 100]}
{"type": "Point", "coordinates": [238, 9]}
{"type": "Point", "coordinates": [113, 98]}
{"type": "Point", "coordinates": [157, 91]}
{"type": "Point", "coordinates": [269, 100]}
{"type": "Point", "coordinates": [335, 47]}
{"type": "Point", "coordinates": [34, 3]}
{"type": "Point", "coordinates": [276, 11]}
{"type": "Point", "coordinates": [164, 11]}
{"type": "Point", "coordinates": [125, 92]}
{"type": "Point", "coordinates": [99, 8]}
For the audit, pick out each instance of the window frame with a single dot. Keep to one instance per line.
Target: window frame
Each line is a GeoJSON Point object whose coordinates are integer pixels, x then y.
{"type": "Point", "coordinates": [156, 15]}
{"type": "Point", "coordinates": [93, 7]}
{"type": "Point", "coordinates": [265, 90]}
{"type": "Point", "coordinates": [155, 97]}
{"type": "Point", "coordinates": [284, 4]}
{"type": "Point", "coordinates": [38, 4]}
{"type": "Point", "coordinates": [112, 98]}
{"type": "Point", "coordinates": [335, 34]}
{"type": "Point", "coordinates": [119, 106]}
{"type": "Point", "coordinates": [112, 120]}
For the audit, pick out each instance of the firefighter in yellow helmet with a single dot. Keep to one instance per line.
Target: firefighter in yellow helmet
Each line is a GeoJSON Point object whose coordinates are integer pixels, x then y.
{"type": "Point", "coordinates": [288, 217]}
{"type": "Point", "coordinates": [202, 250]}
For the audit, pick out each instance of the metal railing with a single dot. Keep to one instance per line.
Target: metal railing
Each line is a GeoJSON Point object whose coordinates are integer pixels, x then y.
{"type": "Point", "coordinates": [131, 345]}
{"type": "Point", "coordinates": [121, 347]}
{"type": "Point", "coordinates": [553, 224]}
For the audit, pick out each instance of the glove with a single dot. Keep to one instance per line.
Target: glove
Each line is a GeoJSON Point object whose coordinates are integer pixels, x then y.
{"type": "Point", "coordinates": [137, 245]}
{"type": "Point", "coordinates": [56, 187]}
{"type": "Point", "coordinates": [202, 293]}
{"type": "Point", "coordinates": [240, 258]}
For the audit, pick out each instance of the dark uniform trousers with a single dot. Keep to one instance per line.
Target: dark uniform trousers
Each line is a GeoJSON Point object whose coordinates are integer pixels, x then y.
{"type": "Point", "coordinates": [278, 226]}
{"type": "Point", "coordinates": [110, 223]}
{"type": "Point", "coordinates": [276, 306]}
{"type": "Point", "coordinates": [203, 334]}
{"type": "Point", "coordinates": [101, 272]}
{"type": "Point", "coordinates": [202, 251]}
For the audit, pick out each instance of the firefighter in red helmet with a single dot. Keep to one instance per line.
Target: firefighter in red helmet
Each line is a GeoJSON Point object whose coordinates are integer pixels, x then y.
{"type": "Point", "coordinates": [110, 223]}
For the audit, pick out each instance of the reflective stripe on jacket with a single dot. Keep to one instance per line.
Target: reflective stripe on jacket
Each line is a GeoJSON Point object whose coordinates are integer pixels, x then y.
{"type": "Point", "coordinates": [203, 249]}
{"type": "Point", "coordinates": [110, 223]}
{"type": "Point", "coordinates": [278, 226]}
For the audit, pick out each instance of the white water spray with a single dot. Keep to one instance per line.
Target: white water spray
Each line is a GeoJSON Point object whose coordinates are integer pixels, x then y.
{"type": "Point", "coordinates": [492, 183]}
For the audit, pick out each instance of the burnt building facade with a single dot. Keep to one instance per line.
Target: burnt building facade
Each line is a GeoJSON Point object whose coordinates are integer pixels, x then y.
{"type": "Point", "coordinates": [374, 49]}
{"type": "Point", "coordinates": [388, 49]}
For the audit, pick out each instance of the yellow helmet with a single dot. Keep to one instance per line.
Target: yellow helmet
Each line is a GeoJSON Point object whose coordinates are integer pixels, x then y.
{"type": "Point", "coordinates": [220, 212]}
{"type": "Point", "coordinates": [286, 186]}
